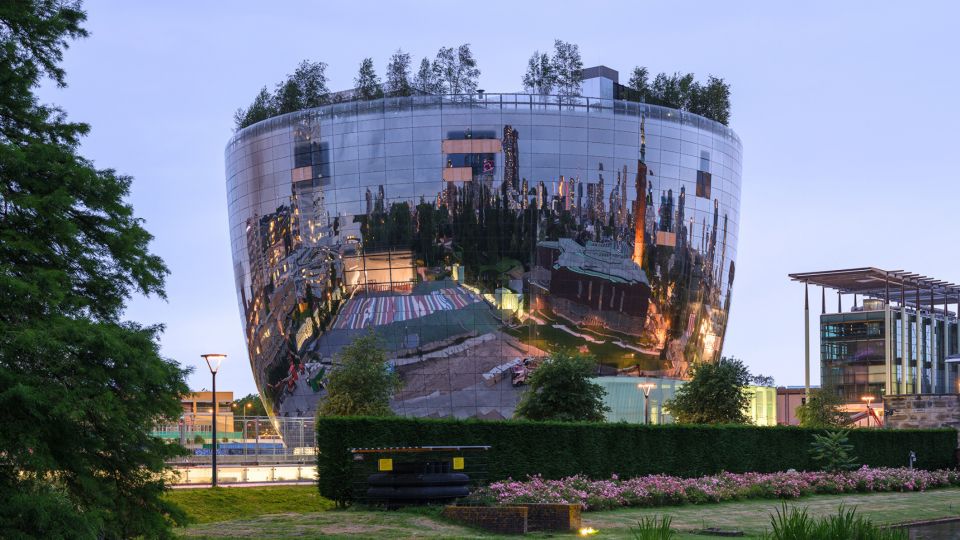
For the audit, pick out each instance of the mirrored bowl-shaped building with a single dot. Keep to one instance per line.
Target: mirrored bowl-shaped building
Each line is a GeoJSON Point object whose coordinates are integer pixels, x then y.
{"type": "Point", "coordinates": [472, 232]}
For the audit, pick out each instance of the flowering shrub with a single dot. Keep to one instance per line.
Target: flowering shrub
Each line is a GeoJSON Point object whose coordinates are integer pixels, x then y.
{"type": "Point", "coordinates": [659, 490]}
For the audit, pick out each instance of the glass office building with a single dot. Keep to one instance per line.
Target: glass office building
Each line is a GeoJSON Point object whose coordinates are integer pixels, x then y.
{"type": "Point", "coordinates": [896, 340]}
{"type": "Point", "coordinates": [472, 232]}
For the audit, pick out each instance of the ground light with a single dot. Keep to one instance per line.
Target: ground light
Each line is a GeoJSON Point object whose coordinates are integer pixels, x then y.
{"type": "Point", "coordinates": [587, 530]}
{"type": "Point", "coordinates": [211, 358]}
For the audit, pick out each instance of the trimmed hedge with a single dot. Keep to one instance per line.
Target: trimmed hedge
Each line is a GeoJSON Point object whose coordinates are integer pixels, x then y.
{"type": "Point", "coordinates": [558, 450]}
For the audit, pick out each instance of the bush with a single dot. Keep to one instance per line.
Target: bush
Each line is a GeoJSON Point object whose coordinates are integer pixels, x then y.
{"type": "Point", "coordinates": [797, 524]}
{"type": "Point", "coordinates": [560, 450]}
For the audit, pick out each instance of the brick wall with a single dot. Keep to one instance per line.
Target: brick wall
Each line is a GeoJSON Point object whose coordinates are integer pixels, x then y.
{"type": "Point", "coordinates": [922, 411]}
{"type": "Point", "coordinates": [498, 519]}
{"type": "Point", "coordinates": [552, 517]}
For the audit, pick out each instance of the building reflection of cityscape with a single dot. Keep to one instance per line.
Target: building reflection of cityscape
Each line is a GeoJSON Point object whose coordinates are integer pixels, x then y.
{"type": "Point", "coordinates": [472, 233]}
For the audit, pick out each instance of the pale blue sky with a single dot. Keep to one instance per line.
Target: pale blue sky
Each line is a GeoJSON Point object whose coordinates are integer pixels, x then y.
{"type": "Point", "coordinates": [847, 112]}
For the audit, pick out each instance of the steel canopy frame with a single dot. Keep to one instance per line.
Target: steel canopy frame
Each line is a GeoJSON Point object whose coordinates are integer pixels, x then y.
{"type": "Point", "coordinates": [891, 286]}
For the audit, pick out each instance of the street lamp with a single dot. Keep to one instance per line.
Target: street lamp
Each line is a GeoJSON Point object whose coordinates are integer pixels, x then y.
{"type": "Point", "coordinates": [646, 387]}
{"type": "Point", "coordinates": [213, 362]}
{"type": "Point", "coordinates": [868, 399]}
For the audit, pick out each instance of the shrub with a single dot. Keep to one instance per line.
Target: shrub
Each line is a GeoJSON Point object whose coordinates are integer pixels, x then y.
{"type": "Point", "coordinates": [796, 524]}
{"type": "Point", "coordinates": [598, 450]}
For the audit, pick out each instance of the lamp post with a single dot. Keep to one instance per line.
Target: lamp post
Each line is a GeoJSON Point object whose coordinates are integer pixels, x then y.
{"type": "Point", "coordinates": [211, 358]}
{"type": "Point", "coordinates": [646, 387]}
{"type": "Point", "coordinates": [868, 399]}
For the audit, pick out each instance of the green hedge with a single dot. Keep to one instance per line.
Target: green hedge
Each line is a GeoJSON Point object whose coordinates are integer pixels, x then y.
{"type": "Point", "coordinates": [557, 450]}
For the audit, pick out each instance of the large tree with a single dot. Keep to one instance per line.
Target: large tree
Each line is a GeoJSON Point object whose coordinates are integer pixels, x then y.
{"type": "Point", "coordinates": [716, 394]}
{"type": "Point", "coordinates": [458, 70]}
{"type": "Point", "coordinates": [562, 390]}
{"type": "Point", "coordinates": [80, 389]}
{"type": "Point", "coordinates": [362, 383]}
{"type": "Point", "coordinates": [398, 75]}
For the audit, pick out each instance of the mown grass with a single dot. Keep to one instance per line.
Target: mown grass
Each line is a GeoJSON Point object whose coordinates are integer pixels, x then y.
{"type": "Point", "coordinates": [753, 516]}
{"type": "Point", "coordinates": [206, 505]}
{"type": "Point", "coordinates": [297, 511]}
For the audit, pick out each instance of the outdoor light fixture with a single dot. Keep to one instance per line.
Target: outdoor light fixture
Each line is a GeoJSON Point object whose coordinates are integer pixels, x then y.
{"type": "Point", "coordinates": [646, 387]}
{"type": "Point", "coordinates": [868, 399]}
{"type": "Point", "coordinates": [211, 358]}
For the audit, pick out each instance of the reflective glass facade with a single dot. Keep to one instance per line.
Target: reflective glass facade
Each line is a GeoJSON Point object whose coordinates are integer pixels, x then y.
{"type": "Point", "coordinates": [474, 231]}
{"type": "Point", "coordinates": [857, 351]}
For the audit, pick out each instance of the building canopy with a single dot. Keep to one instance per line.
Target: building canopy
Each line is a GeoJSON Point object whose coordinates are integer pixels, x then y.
{"type": "Point", "coordinates": [893, 286]}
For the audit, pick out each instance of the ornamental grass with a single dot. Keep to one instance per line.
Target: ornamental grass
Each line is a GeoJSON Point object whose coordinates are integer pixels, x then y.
{"type": "Point", "coordinates": [661, 490]}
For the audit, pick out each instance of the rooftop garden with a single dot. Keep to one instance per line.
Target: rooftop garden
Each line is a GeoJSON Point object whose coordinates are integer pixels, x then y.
{"type": "Point", "coordinates": [454, 71]}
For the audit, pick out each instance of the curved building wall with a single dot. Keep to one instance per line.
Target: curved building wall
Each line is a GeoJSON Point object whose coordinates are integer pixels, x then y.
{"type": "Point", "coordinates": [469, 232]}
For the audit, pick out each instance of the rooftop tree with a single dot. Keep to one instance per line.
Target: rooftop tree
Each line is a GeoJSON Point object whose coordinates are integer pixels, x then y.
{"type": "Point", "coordinates": [458, 70]}
{"type": "Point", "coordinates": [367, 84]}
{"type": "Point", "coordinates": [427, 79]}
{"type": "Point", "coordinates": [677, 91]}
{"type": "Point", "coordinates": [261, 109]}
{"type": "Point", "coordinates": [305, 89]}
{"type": "Point", "coordinates": [398, 75]}
{"type": "Point", "coordinates": [80, 389]}
{"type": "Point", "coordinates": [567, 68]}
{"type": "Point", "coordinates": [539, 78]}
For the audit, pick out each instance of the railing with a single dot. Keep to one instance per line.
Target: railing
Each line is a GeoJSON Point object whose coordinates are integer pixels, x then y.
{"type": "Point", "coordinates": [248, 440]}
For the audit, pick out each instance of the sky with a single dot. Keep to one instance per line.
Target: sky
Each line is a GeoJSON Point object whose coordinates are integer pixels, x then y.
{"type": "Point", "coordinates": [847, 112]}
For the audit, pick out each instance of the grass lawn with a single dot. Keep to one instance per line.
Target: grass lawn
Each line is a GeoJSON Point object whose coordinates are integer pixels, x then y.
{"type": "Point", "coordinates": [207, 505]}
{"type": "Point", "coordinates": [297, 511]}
{"type": "Point", "coordinates": [753, 517]}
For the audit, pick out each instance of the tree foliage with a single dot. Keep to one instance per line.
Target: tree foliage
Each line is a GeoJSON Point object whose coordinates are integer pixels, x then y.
{"type": "Point", "coordinates": [80, 389]}
{"type": "Point", "coordinates": [567, 68]}
{"type": "Point", "coordinates": [398, 75]}
{"type": "Point", "coordinates": [639, 81]}
{"type": "Point", "coordinates": [716, 394]}
{"type": "Point", "coordinates": [677, 91]}
{"type": "Point", "coordinates": [427, 79]}
{"type": "Point", "coordinates": [367, 84]}
{"type": "Point", "coordinates": [306, 88]}
{"type": "Point", "coordinates": [250, 405]}
{"type": "Point", "coordinates": [458, 70]}
{"type": "Point", "coordinates": [363, 384]}
{"type": "Point", "coordinates": [561, 390]}
{"type": "Point", "coordinates": [822, 408]}
{"type": "Point", "coordinates": [539, 77]}
{"type": "Point", "coordinates": [763, 380]}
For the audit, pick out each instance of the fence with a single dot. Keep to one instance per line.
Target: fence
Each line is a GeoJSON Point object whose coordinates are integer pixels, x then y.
{"type": "Point", "coordinates": [242, 440]}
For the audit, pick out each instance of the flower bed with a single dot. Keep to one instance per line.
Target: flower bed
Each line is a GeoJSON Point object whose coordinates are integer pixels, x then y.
{"type": "Point", "coordinates": [658, 490]}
